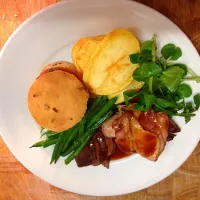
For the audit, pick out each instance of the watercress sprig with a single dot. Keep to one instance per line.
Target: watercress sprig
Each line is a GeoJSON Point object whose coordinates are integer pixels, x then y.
{"type": "Point", "coordinates": [163, 79]}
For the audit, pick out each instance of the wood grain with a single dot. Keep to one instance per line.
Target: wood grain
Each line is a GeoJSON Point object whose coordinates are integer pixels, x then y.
{"type": "Point", "coordinates": [17, 183]}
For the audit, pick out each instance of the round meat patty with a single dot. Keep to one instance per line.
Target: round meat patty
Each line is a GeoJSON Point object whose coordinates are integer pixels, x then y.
{"type": "Point", "coordinates": [57, 100]}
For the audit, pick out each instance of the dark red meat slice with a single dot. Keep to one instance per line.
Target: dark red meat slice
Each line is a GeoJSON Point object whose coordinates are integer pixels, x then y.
{"type": "Point", "coordinates": [87, 155]}
{"type": "Point", "coordinates": [173, 127]}
{"type": "Point", "coordinates": [101, 149]}
{"type": "Point", "coordinates": [97, 151]}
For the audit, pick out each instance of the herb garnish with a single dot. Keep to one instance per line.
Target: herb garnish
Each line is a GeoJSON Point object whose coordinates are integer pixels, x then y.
{"type": "Point", "coordinates": [163, 80]}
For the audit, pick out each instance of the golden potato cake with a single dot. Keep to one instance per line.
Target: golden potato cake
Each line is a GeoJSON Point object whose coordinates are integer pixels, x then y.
{"type": "Point", "coordinates": [57, 100]}
{"type": "Point", "coordinates": [83, 50]}
{"type": "Point", "coordinates": [109, 69]}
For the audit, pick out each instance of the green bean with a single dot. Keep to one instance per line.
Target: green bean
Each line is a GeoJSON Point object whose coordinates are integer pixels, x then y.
{"type": "Point", "coordinates": [48, 132]}
{"type": "Point", "coordinates": [59, 144]}
{"type": "Point", "coordinates": [71, 138]}
{"type": "Point", "coordinates": [63, 137]}
{"type": "Point", "coordinates": [45, 143]}
{"type": "Point", "coordinates": [77, 151]}
{"type": "Point", "coordinates": [41, 130]}
{"type": "Point", "coordinates": [82, 143]}
{"type": "Point", "coordinates": [103, 110]}
{"type": "Point", "coordinates": [54, 136]}
{"type": "Point", "coordinates": [90, 132]}
{"type": "Point", "coordinates": [38, 144]}
{"type": "Point", "coordinates": [98, 102]}
{"type": "Point", "coordinates": [81, 126]}
{"type": "Point", "coordinates": [78, 142]}
{"type": "Point", "coordinates": [48, 143]}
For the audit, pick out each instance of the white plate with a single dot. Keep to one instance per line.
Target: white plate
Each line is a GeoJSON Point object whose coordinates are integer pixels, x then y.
{"type": "Point", "coordinates": [49, 36]}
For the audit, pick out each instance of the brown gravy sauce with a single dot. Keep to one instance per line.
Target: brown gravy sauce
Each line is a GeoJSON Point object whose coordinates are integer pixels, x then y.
{"type": "Point", "coordinates": [118, 155]}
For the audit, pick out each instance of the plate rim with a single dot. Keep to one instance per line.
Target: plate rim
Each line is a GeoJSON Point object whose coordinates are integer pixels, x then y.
{"type": "Point", "coordinates": [46, 9]}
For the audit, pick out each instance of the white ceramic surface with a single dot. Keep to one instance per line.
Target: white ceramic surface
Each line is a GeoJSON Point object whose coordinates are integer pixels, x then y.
{"type": "Point", "coordinates": [48, 36]}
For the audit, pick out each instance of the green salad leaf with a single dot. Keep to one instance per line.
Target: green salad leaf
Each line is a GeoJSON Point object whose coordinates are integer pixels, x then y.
{"type": "Point", "coordinates": [171, 52]}
{"type": "Point", "coordinates": [164, 103]}
{"type": "Point", "coordinates": [130, 95]}
{"type": "Point", "coordinates": [164, 87]}
{"type": "Point", "coordinates": [145, 102]}
{"type": "Point", "coordinates": [146, 70]}
{"type": "Point", "coordinates": [134, 58]}
{"type": "Point", "coordinates": [184, 90]}
{"type": "Point", "coordinates": [147, 45]}
{"type": "Point", "coordinates": [172, 77]}
{"type": "Point", "coordinates": [197, 101]}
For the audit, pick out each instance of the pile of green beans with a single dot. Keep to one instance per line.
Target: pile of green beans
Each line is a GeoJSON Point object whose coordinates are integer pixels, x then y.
{"type": "Point", "coordinates": [72, 141]}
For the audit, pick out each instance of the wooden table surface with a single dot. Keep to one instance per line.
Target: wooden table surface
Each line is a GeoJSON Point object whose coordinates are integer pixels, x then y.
{"type": "Point", "coordinates": [17, 183]}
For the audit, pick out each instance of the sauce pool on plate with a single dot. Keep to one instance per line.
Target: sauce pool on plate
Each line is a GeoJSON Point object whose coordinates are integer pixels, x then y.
{"type": "Point", "coordinates": [118, 155]}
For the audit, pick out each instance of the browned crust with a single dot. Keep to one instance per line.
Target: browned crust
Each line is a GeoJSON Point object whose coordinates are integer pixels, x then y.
{"type": "Point", "coordinates": [64, 66]}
